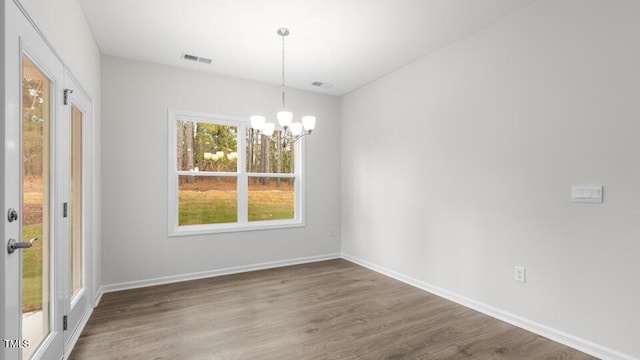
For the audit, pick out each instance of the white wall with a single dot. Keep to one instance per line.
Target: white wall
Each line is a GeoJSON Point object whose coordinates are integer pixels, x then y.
{"type": "Point", "coordinates": [136, 247]}
{"type": "Point", "coordinates": [65, 26]}
{"type": "Point", "coordinates": [459, 166]}
{"type": "Point", "coordinates": [68, 30]}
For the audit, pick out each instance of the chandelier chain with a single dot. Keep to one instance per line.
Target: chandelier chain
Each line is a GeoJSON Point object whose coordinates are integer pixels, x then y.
{"type": "Point", "coordinates": [283, 87]}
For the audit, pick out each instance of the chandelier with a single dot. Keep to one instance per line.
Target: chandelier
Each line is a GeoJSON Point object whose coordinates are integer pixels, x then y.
{"type": "Point", "coordinates": [285, 118]}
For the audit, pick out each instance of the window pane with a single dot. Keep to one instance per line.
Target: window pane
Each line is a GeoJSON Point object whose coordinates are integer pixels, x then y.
{"type": "Point", "coordinates": [207, 200]}
{"type": "Point", "coordinates": [36, 265]}
{"type": "Point", "coordinates": [206, 147]}
{"type": "Point", "coordinates": [271, 198]}
{"type": "Point", "coordinates": [76, 201]}
{"type": "Point", "coordinates": [266, 156]}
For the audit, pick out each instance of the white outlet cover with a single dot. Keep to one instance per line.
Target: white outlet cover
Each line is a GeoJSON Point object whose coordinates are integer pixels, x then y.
{"type": "Point", "coordinates": [520, 274]}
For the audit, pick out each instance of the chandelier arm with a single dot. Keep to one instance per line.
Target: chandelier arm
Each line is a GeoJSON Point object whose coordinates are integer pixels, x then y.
{"type": "Point", "coordinates": [270, 138]}
{"type": "Point", "coordinates": [301, 136]}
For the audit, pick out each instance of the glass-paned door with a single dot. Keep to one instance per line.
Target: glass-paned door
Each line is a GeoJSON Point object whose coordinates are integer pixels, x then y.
{"type": "Point", "coordinates": [31, 303]}
{"type": "Point", "coordinates": [75, 165]}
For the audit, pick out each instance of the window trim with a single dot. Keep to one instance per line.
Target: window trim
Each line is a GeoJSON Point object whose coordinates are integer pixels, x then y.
{"type": "Point", "coordinates": [243, 224]}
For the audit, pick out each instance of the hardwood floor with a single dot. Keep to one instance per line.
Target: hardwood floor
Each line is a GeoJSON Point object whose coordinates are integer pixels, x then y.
{"type": "Point", "coordinates": [325, 310]}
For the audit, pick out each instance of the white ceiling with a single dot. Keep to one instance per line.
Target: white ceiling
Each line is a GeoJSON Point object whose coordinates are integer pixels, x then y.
{"type": "Point", "coordinates": [347, 43]}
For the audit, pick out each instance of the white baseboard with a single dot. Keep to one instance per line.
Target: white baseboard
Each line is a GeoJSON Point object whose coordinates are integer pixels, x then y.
{"type": "Point", "coordinates": [98, 296]}
{"type": "Point", "coordinates": [211, 273]}
{"type": "Point", "coordinates": [542, 330]}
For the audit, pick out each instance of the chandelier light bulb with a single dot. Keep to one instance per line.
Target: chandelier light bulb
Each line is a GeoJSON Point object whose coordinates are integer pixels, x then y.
{"type": "Point", "coordinates": [257, 122]}
{"type": "Point", "coordinates": [285, 118]}
{"type": "Point", "coordinates": [309, 122]}
{"type": "Point", "coordinates": [268, 129]}
{"type": "Point", "coordinates": [296, 129]}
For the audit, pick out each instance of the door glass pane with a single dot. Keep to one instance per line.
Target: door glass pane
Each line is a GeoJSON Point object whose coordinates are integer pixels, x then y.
{"type": "Point", "coordinates": [207, 200]}
{"type": "Point", "coordinates": [76, 201]}
{"type": "Point", "coordinates": [36, 111]}
{"type": "Point", "coordinates": [271, 198]}
{"type": "Point", "coordinates": [266, 156]}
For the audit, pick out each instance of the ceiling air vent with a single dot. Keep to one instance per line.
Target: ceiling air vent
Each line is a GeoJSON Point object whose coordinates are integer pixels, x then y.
{"type": "Point", "coordinates": [196, 58]}
{"type": "Point", "coordinates": [321, 84]}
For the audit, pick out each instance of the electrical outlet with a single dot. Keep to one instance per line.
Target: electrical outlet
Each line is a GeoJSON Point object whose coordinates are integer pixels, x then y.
{"type": "Point", "coordinates": [520, 274]}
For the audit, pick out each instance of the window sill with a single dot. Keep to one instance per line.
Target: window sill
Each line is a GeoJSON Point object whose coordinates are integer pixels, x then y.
{"type": "Point", "coordinates": [188, 230]}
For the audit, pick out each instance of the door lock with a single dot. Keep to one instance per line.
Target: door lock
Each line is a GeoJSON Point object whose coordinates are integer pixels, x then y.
{"type": "Point", "coordinates": [12, 215]}
{"type": "Point", "coordinates": [13, 245]}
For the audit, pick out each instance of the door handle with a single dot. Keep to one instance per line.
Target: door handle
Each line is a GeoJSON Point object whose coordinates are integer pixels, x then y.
{"type": "Point", "coordinates": [13, 245]}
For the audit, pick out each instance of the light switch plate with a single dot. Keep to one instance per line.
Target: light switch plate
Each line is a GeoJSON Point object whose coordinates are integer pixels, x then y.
{"type": "Point", "coordinates": [587, 193]}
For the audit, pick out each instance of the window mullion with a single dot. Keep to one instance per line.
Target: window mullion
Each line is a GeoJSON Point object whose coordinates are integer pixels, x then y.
{"type": "Point", "coordinates": [243, 183]}
{"type": "Point", "coordinates": [243, 199]}
{"type": "Point", "coordinates": [300, 181]}
{"type": "Point", "coordinates": [207, 173]}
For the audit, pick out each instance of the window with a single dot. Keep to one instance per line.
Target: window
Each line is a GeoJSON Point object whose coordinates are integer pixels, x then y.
{"type": "Point", "coordinates": [224, 177]}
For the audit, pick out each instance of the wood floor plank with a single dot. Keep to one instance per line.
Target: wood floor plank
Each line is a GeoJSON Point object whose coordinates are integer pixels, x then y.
{"type": "Point", "coordinates": [326, 310]}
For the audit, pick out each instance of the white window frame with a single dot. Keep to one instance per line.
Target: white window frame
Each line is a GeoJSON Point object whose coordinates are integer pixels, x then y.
{"type": "Point", "coordinates": [243, 223]}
